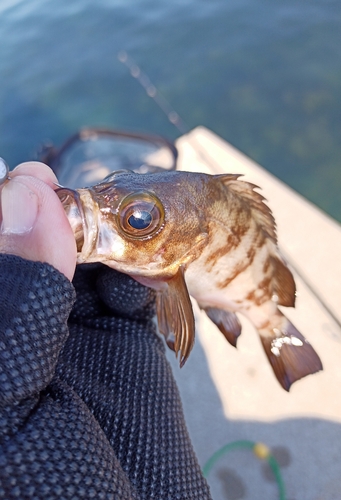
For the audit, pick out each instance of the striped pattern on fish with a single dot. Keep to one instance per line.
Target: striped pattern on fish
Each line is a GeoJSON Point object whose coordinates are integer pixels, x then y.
{"type": "Point", "coordinates": [211, 237]}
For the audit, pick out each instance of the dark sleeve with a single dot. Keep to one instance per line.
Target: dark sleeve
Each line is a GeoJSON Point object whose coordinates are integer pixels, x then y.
{"type": "Point", "coordinates": [35, 302]}
{"type": "Point", "coordinates": [115, 361]}
{"type": "Point", "coordinates": [51, 446]}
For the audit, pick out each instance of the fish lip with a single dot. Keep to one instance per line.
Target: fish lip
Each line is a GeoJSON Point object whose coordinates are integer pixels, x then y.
{"type": "Point", "coordinates": [75, 219]}
{"type": "Point", "coordinates": [89, 211]}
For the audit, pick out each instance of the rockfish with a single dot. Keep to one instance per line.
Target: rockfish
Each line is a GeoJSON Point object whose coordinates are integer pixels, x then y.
{"type": "Point", "coordinates": [208, 236]}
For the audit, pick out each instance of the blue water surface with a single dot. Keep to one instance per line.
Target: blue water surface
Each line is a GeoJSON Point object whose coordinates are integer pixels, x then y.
{"type": "Point", "coordinates": [264, 75]}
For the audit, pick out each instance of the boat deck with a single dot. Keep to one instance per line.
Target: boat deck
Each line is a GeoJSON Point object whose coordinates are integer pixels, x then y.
{"type": "Point", "coordinates": [231, 394]}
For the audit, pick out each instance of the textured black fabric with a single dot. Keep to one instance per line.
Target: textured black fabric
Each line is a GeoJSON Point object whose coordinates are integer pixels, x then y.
{"type": "Point", "coordinates": [88, 410]}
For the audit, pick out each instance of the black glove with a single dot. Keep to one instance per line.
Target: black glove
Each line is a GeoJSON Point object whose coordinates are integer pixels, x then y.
{"type": "Point", "coordinates": [95, 414]}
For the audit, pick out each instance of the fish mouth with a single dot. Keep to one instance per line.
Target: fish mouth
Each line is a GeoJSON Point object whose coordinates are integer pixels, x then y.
{"type": "Point", "coordinates": [72, 204]}
{"type": "Point", "coordinates": [83, 214]}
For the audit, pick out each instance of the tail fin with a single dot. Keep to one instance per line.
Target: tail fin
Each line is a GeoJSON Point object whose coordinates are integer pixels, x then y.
{"type": "Point", "coordinates": [291, 356]}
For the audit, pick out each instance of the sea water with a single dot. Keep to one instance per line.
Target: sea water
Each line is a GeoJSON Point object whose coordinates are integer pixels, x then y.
{"type": "Point", "coordinates": [264, 75]}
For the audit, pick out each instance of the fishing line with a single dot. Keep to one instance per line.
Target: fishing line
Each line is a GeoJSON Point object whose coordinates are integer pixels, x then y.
{"type": "Point", "coordinates": [152, 92]}
{"type": "Point", "coordinates": [259, 449]}
{"type": "Point", "coordinates": [183, 128]}
{"type": "Point", "coordinates": [172, 116]}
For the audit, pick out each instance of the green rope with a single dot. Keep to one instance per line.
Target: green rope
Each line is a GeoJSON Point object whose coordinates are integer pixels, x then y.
{"type": "Point", "coordinates": [260, 450]}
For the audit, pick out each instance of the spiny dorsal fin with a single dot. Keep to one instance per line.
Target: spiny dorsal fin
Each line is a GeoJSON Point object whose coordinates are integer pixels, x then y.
{"type": "Point", "coordinates": [253, 201]}
{"type": "Point", "coordinates": [283, 284]}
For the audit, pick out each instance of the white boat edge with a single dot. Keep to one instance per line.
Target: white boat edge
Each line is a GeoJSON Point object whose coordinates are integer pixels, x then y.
{"type": "Point", "coordinates": [311, 241]}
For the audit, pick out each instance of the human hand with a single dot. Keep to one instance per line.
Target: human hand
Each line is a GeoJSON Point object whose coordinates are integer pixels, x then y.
{"type": "Point", "coordinates": [115, 361]}
{"type": "Point", "coordinates": [95, 396]}
{"type": "Point", "coordinates": [33, 223]}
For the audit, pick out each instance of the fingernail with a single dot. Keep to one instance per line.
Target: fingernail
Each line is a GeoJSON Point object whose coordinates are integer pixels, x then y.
{"type": "Point", "coordinates": [19, 207]}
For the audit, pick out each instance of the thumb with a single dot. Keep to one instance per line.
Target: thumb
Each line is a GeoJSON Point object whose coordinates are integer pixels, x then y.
{"type": "Point", "coordinates": [34, 225]}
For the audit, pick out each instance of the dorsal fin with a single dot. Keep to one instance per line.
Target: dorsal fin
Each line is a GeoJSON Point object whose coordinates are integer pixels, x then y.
{"type": "Point", "coordinates": [283, 284]}
{"type": "Point", "coordinates": [252, 200]}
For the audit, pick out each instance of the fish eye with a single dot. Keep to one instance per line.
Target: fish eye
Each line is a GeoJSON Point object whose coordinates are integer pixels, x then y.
{"type": "Point", "coordinates": [140, 219]}
{"type": "Point", "coordinates": [140, 215]}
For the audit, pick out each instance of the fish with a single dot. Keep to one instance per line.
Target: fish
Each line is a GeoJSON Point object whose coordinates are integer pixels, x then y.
{"type": "Point", "coordinates": [211, 237]}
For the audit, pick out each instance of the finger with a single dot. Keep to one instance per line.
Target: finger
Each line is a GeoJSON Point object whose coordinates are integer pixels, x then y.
{"type": "Point", "coordinates": [36, 169]}
{"type": "Point", "coordinates": [34, 224]}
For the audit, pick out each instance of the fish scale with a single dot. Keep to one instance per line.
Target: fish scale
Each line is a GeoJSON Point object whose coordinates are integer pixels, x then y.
{"type": "Point", "coordinates": [209, 236]}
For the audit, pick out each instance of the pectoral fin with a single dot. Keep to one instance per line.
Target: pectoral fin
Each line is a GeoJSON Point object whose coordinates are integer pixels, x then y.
{"type": "Point", "coordinates": [227, 322]}
{"type": "Point", "coordinates": [175, 316]}
{"type": "Point", "coordinates": [291, 356]}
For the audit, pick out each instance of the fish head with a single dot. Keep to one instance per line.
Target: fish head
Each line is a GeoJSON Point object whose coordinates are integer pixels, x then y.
{"type": "Point", "coordinates": [141, 224]}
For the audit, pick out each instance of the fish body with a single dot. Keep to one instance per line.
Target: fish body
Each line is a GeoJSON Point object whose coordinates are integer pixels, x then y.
{"type": "Point", "coordinates": [208, 236]}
